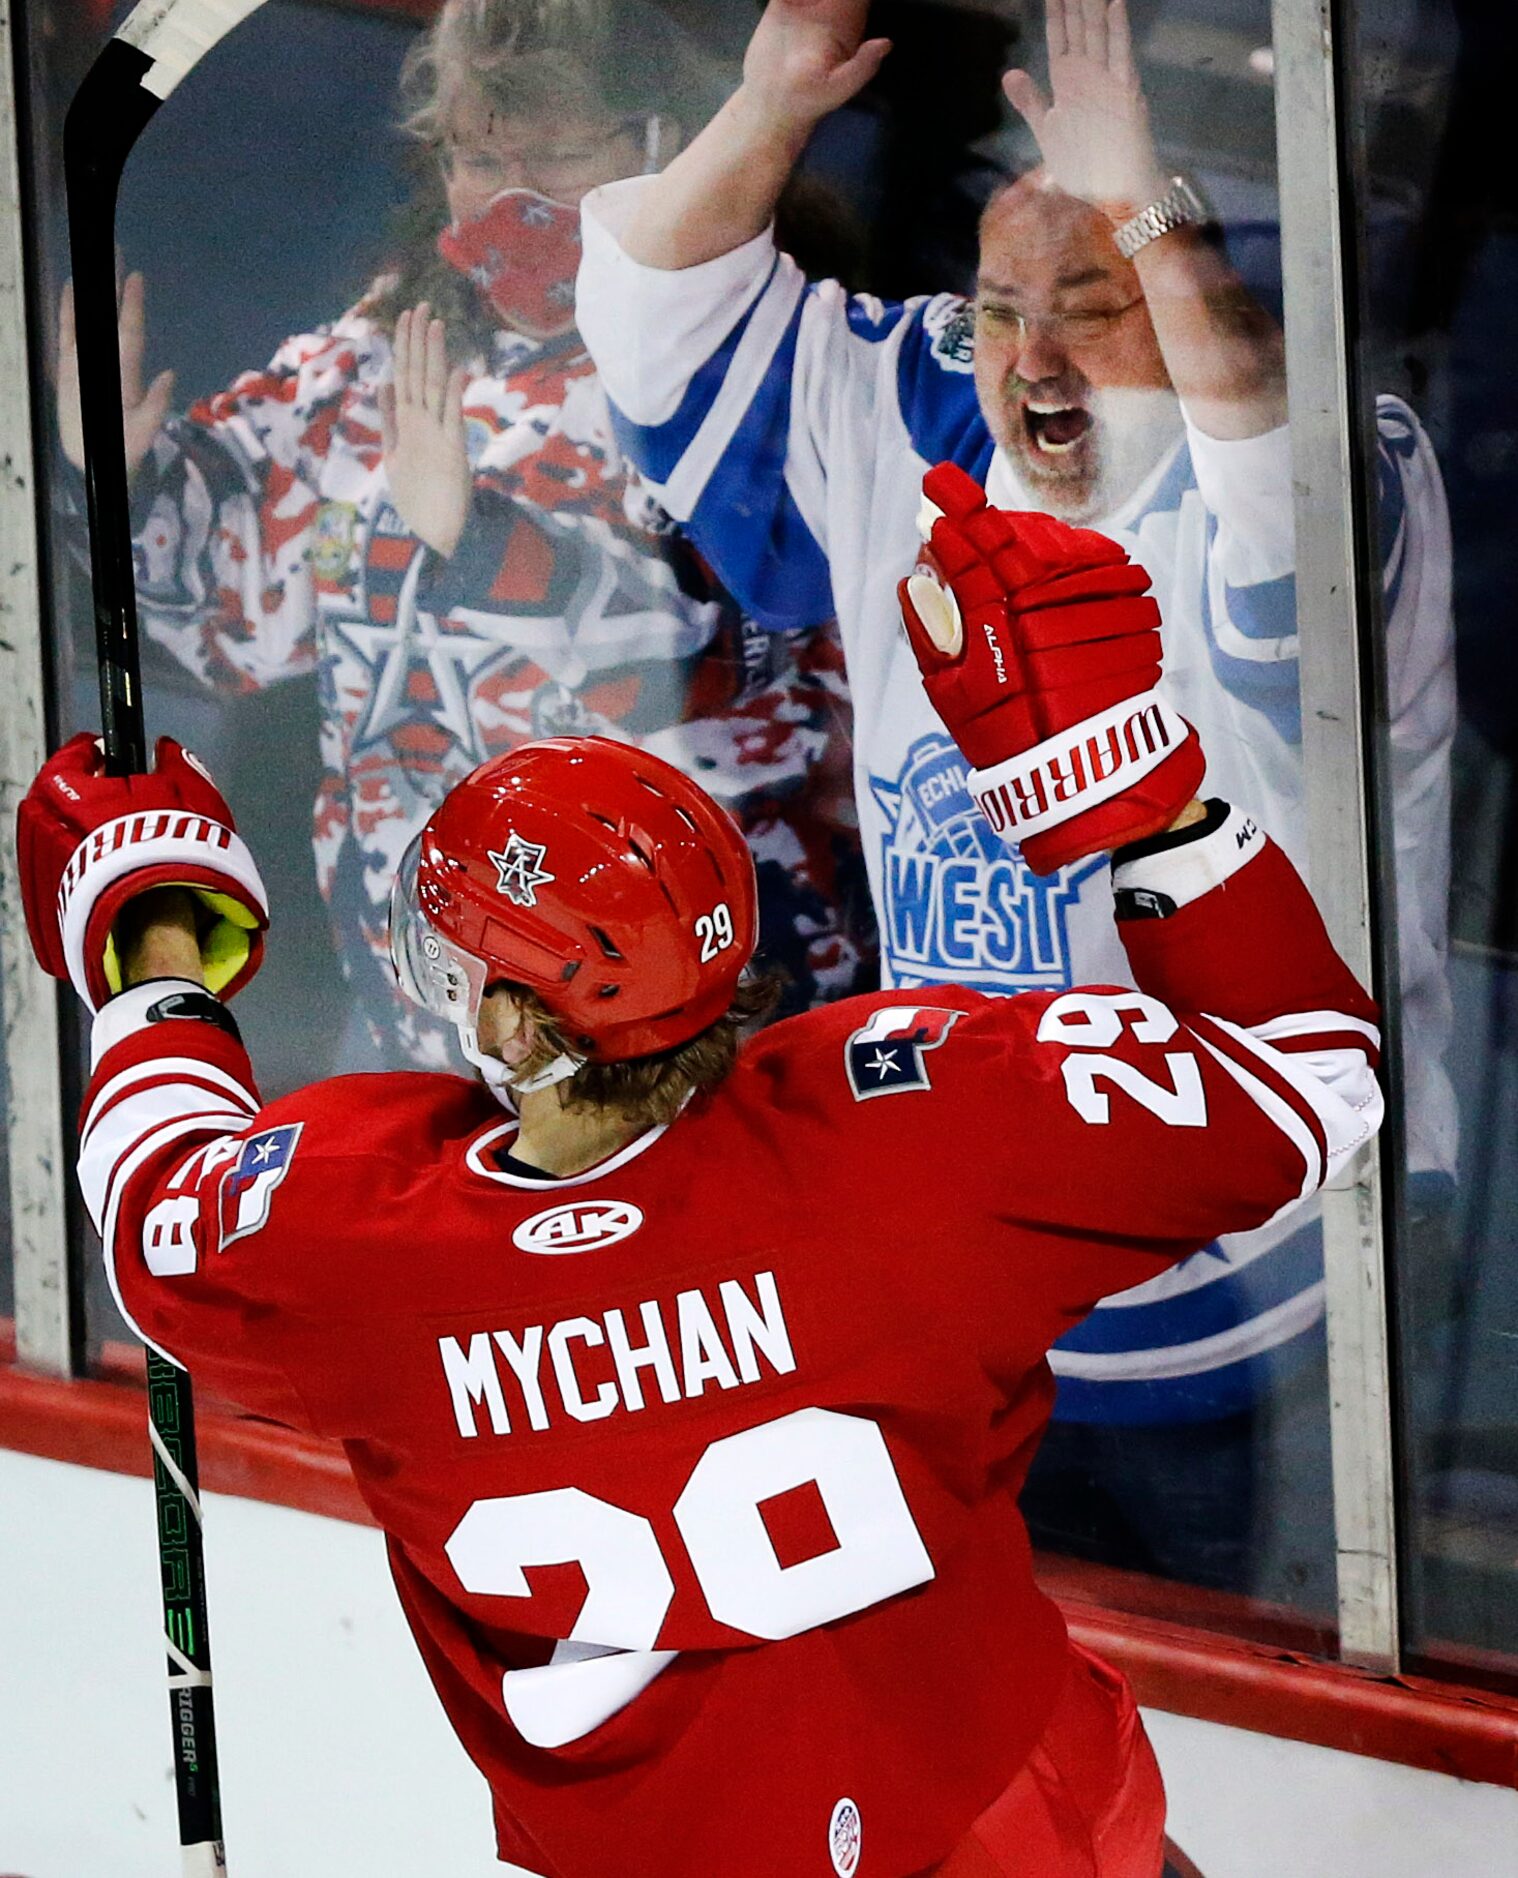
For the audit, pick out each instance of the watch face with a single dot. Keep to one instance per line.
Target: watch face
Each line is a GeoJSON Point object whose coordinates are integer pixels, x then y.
{"type": "Point", "coordinates": [1188, 199]}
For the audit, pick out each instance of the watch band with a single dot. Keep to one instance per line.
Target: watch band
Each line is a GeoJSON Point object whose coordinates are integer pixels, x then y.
{"type": "Point", "coordinates": [1179, 207]}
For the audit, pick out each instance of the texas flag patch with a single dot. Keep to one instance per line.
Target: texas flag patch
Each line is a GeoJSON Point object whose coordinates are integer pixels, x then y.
{"type": "Point", "coordinates": [885, 1056]}
{"type": "Point", "coordinates": [247, 1187]}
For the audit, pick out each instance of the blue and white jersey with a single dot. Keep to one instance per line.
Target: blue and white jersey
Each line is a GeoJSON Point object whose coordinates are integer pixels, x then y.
{"type": "Point", "coordinates": [788, 425]}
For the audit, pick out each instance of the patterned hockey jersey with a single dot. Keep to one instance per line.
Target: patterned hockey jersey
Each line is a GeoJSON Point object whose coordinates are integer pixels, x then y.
{"type": "Point", "coordinates": [789, 424]}
{"type": "Point", "coordinates": [267, 546]}
{"type": "Point", "coordinates": [699, 1469]}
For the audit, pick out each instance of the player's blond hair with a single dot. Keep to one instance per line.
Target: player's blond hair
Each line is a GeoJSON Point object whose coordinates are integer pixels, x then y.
{"type": "Point", "coordinates": [650, 1089]}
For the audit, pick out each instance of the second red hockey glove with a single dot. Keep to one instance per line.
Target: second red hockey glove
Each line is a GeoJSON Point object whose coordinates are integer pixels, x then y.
{"type": "Point", "coordinates": [87, 843]}
{"type": "Point", "coordinates": [1040, 650]}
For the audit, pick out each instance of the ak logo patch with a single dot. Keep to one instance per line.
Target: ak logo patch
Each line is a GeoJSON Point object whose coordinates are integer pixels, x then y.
{"type": "Point", "coordinates": [580, 1226]}
{"type": "Point", "coordinates": [886, 1056]}
{"type": "Point", "coordinates": [247, 1187]}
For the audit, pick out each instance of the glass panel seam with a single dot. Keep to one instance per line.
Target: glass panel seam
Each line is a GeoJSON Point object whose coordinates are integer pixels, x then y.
{"type": "Point", "coordinates": [45, 1331]}
{"type": "Point", "coordinates": [1334, 756]}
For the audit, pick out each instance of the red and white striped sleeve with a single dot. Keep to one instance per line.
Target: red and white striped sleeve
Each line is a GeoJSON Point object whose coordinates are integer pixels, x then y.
{"type": "Point", "coordinates": [170, 1109]}
{"type": "Point", "coordinates": [1218, 1096]}
{"type": "Point", "coordinates": [1219, 926]}
{"type": "Point", "coordinates": [169, 1079]}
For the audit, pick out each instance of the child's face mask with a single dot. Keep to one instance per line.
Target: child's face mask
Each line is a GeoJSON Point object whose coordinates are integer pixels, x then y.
{"type": "Point", "coordinates": [522, 252]}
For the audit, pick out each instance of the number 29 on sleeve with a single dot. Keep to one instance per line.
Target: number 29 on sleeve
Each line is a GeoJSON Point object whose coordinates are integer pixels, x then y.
{"type": "Point", "coordinates": [1089, 1023]}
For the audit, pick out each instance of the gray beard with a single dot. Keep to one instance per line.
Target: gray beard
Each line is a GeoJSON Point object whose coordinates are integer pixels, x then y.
{"type": "Point", "coordinates": [1132, 432]}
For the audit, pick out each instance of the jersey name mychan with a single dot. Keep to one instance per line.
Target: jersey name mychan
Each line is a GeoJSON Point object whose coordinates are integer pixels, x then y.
{"type": "Point", "coordinates": [588, 1367]}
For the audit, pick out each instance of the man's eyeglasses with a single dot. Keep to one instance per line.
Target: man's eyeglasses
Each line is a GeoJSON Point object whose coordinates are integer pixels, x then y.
{"type": "Point", "coordinates": [1086, 328]}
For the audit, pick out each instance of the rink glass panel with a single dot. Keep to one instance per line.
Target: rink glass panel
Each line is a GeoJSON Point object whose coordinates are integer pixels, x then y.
{"type": "Point", "coordinates": [248, 152]}
{"type": "Point", "coordinates": [1442, 268]}
{"type": "Point", "coordinates": [261, 204]}
{"type": "Point", "coordinates": [258, 205]}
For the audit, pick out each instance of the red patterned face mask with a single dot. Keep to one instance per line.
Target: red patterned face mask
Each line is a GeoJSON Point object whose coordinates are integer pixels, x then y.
{"type": "Point", "coordinates": [523, 253]}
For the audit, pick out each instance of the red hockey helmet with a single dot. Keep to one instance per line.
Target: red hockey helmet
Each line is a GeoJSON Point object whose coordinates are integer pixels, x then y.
{"type": "Point", "coordinates": [599, 876]}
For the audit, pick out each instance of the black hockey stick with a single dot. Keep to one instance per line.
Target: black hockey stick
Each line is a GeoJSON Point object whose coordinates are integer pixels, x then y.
{"type": "Point", "coordinates": [158, 44]}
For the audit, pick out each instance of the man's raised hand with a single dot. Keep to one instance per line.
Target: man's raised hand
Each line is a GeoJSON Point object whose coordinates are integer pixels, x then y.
{"type": "Point", "coordinates": [1094, 135]}
{"type": "Point", "coordinates": [806, 59]}
{"type": "Point", "coordinates": [143, 411]}
{"type": "Point", "coordinates": [422, 432]}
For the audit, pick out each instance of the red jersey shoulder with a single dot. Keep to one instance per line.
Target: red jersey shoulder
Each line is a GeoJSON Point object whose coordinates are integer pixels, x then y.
{"type": "Point", "coordinates": [333, 1148]}
{"type": "Point", "coordinates": [411, 1114]}
{"type": "Point", "coordinates": [888, 1043]}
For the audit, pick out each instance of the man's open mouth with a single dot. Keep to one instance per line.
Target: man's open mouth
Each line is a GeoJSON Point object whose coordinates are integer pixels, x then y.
{"type": "Point", "coordinates": [1055, 428]}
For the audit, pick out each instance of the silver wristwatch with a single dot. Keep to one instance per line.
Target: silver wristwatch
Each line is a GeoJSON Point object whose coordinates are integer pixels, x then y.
{"type": "Point", "coordinates": [1179, 207]}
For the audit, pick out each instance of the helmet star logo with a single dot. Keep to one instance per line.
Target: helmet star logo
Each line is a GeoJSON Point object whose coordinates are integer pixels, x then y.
{"type": "Point", "coordinates": [520, 868]}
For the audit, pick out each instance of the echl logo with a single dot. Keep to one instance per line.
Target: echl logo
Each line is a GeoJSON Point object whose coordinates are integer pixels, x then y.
{"type": "Point", "coordinates": [886, 1056]}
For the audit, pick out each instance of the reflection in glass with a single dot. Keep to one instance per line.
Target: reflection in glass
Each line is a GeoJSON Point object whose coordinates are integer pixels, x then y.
{"type": "Point", "coordinates": [1142, 393]}
{"type": "Point", "coordinates": [410, 540]}
{"type": "Point", "coordinates": [1438, 219]}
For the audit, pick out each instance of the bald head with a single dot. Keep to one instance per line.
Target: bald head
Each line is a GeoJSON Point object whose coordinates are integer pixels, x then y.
{"type": "Point", "coordinates": [1032, 233]}
{"type": "Point", "coordinates": [1067, 365]}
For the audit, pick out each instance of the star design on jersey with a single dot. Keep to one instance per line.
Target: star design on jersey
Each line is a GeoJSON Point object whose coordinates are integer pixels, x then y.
{"type": "Point", "coordinates": [248, 1186]}
{"type": "Point", "coordinates": [416, 642]}
{"type": "Point", "coordinates": [520, 867]}
{"type": "Point", "coordinates": [900, 1035]}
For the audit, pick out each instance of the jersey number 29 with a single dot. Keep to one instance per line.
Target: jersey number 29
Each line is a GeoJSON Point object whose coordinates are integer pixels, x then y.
{"type": "Point", "coordinates": [1091, 1022]}
{"type": "Point", "coordinates": [609, 1655]}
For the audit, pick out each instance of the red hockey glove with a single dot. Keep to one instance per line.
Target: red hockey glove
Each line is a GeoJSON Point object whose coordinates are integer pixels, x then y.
{"type": "Point", "coordinates": [1040, 650]}
{"type": "Point", "coordinates": [87, 843]}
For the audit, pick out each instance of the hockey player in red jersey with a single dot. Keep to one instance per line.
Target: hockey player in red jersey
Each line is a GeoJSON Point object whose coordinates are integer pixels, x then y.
{"type": "Point", "coordinates": [693, 1391]}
